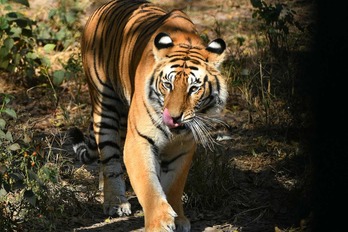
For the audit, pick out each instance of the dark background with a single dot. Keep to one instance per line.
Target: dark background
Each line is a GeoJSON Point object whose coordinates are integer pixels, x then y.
{"type": "Point", "coordinates": [327, 72]}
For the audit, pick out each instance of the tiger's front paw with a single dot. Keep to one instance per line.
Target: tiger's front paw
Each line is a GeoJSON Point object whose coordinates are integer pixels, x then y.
{"type": "Point", "coordinates": [122, 209]}
{"type": "Point", "coordinates": [161, 219]}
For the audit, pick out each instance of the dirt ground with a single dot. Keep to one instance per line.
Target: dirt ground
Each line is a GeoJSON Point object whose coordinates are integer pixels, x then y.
{"type": "Point", "coordinates": [269, 164]}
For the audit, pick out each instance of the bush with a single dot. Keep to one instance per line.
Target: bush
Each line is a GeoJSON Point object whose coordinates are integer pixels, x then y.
{"type": "Point", "coordinates": [22, 37]}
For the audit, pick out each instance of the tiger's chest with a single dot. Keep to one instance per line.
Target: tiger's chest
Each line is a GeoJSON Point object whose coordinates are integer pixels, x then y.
{"type": "Point", "coordinates": [174, 153]}
{"type": "Point", "coordinates": [176, 147]}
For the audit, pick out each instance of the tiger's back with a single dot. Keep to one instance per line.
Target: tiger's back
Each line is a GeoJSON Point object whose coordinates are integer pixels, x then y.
{"type": "Point", "coordinates": [118, 56]}
{"type": "Point", "coordinates": [155, 89]}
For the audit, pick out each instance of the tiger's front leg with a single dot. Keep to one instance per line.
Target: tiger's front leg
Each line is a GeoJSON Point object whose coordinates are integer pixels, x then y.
{"type": "Point", "coordinates": [174, 171]}
{"type": "Point", "coordinates": [143, 170]}
{"type": "Point", "coordinates": [159, 185]}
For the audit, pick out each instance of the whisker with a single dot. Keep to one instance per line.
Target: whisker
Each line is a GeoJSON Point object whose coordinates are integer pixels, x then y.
{"type": "Point", "coordinates": [201, 130]}
{"type": "Point", "coordinates": [212, 120]}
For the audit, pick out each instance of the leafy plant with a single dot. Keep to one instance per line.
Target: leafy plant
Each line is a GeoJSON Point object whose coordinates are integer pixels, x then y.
{"type": "Point", "coordinates": [70, 71]}
{"type": "Point", "coordinates": [61, 27]}
{"type": "Point", "coordinates": [21, 38]}
{"type": "Point", "coordinates": [17, 54]}
{"type": "Point", "coordinates": [6, 139]}
{"type": "Point", "coordinates": [28, 178]}
{"type": "Point", "coordinates": [276, 21]}
{"type": "Point", "coordinates": [266, 77]}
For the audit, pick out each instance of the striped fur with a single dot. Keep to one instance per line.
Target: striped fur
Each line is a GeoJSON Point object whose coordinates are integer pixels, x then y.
{"type": "Point", "coordinates": [155, 90]}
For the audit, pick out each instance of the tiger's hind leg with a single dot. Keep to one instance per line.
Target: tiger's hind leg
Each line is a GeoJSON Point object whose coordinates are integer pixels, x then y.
{"type": "Point", "coordinates": [108, 125]}
{"type": "Point", "coordinates": [112, 184]}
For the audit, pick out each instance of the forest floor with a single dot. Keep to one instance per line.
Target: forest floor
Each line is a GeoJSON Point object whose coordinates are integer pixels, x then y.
{"type": "Point", "coordinates": [268, 167]}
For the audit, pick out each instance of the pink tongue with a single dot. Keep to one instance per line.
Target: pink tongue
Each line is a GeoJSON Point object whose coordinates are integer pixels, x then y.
{"type": "Point", "coordinates": [168, 120]}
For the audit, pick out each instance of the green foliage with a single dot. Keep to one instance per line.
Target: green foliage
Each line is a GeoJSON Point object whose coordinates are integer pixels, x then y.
{"type": "Point", "coordinates": [17, 52]}
{"type": "Point", "coordinates": [61, 28]}
{"type": "Point", "coordinates": [6, 139]}
{"type": "Point", "coordinates": [28, 179]}
{"type": "Point", "coordinates": [22, 37]}
{"type": "Point", "coordinates": [30, 190]}
{"type": "Point", "coordinates": [269, 76]}
{"type": "Point", "coordinates": [71, 70]}
{"type": "Point", "coordinates": [275, 21]}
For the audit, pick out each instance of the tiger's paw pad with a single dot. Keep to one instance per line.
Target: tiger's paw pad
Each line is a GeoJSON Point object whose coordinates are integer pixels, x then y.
{"type": "Point", "coordinates": [123, 209]}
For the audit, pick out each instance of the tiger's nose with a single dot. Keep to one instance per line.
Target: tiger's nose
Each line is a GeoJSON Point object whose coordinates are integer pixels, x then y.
{"type": "Point", "coordinates": [177, 119]}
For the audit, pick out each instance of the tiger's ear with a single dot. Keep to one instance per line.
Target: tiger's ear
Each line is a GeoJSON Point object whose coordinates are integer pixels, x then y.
{"type": "Point", "coordinates": [216, 49]}
{"type": "Point", "coordinates": [162, 41]}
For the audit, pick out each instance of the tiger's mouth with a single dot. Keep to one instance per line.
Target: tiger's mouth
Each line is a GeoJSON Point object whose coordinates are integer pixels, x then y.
{"type": "Point", "coordinates": [174, 124]}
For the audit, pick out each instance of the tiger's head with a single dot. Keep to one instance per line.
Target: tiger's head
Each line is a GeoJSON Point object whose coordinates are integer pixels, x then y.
{"type": "Point", "coordinates": [187, 88]}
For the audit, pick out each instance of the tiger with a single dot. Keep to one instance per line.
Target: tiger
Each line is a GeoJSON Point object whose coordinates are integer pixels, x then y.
{"type": "Point", "coordinates": [155, 88]}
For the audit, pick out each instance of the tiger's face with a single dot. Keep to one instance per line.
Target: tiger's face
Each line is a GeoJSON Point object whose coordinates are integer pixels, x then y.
{"type": "Point", "coordinates": [188, 89]}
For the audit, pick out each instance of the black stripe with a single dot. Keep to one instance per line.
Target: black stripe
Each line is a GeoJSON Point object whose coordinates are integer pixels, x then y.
{"type": "Point", "coordinates": [105, 125]}
{"type": "Point", "coordinates": [104, 144]}
{"type": "Point", "coordinates": [177, 54]}
{"type": "Point", "coordinates": [121, 18]}
{"type": "Point", "coordinates": [105, 107]}
{"type": "Point", "coordinates": [104, 84]}
{"type": "Point", "coordinates": [156, 99]}
{"type": "Point", "coordinates": [205, 81]}
{"type": "Point", "coordinates": [165, 163]}
{"type": "Point", "coordinates": [153, 78]}
{"type": "Point", "coordinates": [175, 66]}
{"type": "Point", "coordinates": [154, 148]}
{"type": "Point", "coordinates": [112, 117]}
{"type": "Point", "coordinates": [210, 87]}
{"type": "Point", "coordinates": [82, 151]}
{"type": "Point", "coordinates": [115, 156]}
{"type": "Point", "coordinates": [196, 62]}
{"type": "Point", "coordinates": [148, 28]}
{"type": "Point", "coordinates": [98, 78]}
{"type": "Point", "coordinates": [196, 52]}
{"type": "Point", "coordinates": [84, 156]}
{"type": "Point", "coordinates": [193, 67]}
{"type": "Point", "coordinates": [154, 122]}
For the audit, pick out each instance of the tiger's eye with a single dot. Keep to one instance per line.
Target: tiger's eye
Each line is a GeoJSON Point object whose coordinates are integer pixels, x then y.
{"type": "Point", "coordinates": [194, 89]}
{"type": "Point", "coordinates": [167, 85]}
